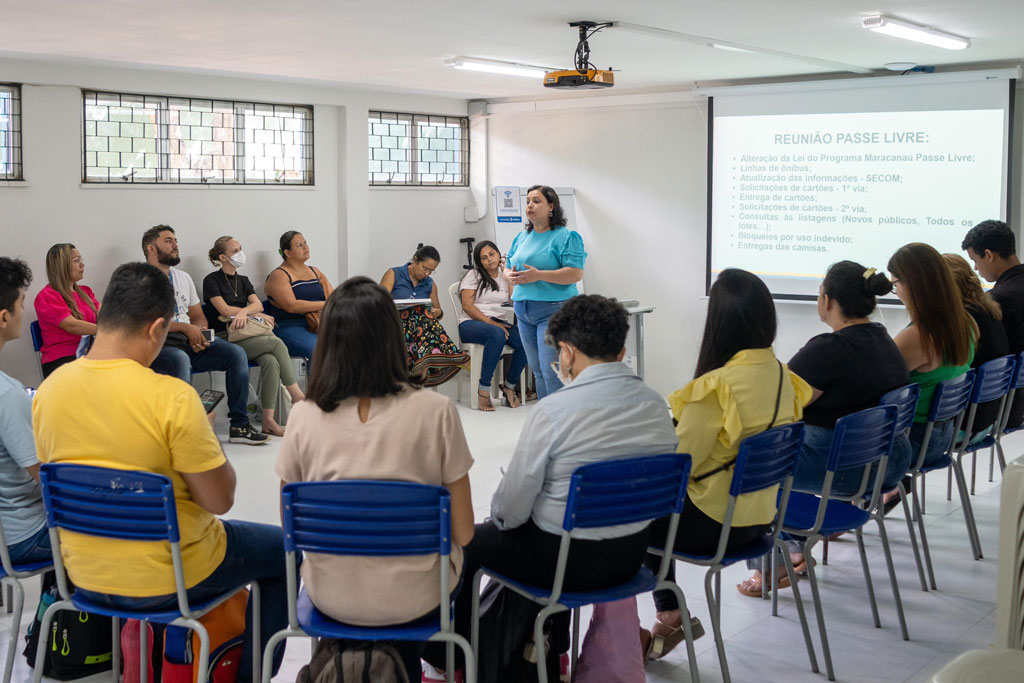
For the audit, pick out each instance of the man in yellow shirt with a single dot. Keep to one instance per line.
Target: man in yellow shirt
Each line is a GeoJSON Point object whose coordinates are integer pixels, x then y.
{"type": "Point", "coordinates": [109, 409]}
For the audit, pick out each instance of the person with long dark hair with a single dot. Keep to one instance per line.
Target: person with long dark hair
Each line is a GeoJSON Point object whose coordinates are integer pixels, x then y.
{"type": "Point", "coordinates": [364, 417]}
{"type": "Point", "coordinates": [848, 369]}
{"type": "Point", "coordinates": [485, 319]}
{"type": "Point", "coordinates": [431, 352]}
{"type": "Point", "coordinates": [66, 309]}
{"type": "Point", "coordinates": [939, 343]}
{"type": "Point", "coordinates": [295, 295]}
{"type": "Point", "coordinates": [544, 264]}
{"type": "Point", "coordinates": [739, 389]}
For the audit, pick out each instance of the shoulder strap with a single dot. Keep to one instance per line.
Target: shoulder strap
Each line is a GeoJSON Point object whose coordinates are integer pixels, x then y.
{"type": "Point", "coordinates": [286, 273]}
{"type": "Point", "coordinates": [775, 416]}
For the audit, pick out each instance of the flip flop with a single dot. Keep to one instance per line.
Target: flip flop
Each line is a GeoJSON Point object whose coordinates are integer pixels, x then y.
{"type": "Point", "coordinates": [751, 592]}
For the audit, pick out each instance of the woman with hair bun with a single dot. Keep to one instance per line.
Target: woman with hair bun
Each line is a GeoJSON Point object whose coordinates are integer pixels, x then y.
{"type": "Point", "coordinates": [296, 294]}
{"type": "Point", "coordinates": [848, 369]}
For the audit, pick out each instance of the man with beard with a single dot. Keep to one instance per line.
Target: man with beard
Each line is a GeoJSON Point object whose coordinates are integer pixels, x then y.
{"type": "Point", "coordinates": [186, 349]}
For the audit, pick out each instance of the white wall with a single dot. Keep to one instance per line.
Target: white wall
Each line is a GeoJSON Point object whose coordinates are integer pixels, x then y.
{"type": "Point", "coordinates": [106, 222]}
{"type": "Point", "coordinates": [641, 189]}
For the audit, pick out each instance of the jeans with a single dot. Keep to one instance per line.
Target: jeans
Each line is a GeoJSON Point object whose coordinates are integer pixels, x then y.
{"type": "Point", "coordinates": [533, 326]}
{"type": "Point", "coordinates": [494, 341]}
{"type": "Point", "coordinates": [33, 549]}
{"type": "Point", "coordinates": [297, 337]}
{"type": "Point", "coordinates": [220, 355]}
{"type": "Point", "coordinates": [255, 552]}
{"type": "Point", "coordinates": [813, 457]}
{"type": "Point", "coordinates": [938, 444]}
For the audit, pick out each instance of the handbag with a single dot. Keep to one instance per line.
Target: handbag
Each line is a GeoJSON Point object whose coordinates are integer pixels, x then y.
{"type": "Point", "coordinates": [255, 326]}
{"type": "Point", "coordinates": [725, 466]}
{"type": "Point", "coordinates": [611, 648]}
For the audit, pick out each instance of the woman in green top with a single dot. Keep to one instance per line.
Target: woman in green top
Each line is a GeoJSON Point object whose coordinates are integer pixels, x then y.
{"type": "Point", "coordinates": [938, 344]}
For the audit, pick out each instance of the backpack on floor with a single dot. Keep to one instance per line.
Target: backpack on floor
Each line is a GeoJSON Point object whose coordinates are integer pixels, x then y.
{"type": "Point", "coordinates": [79, 644]}
{"type": "Point", "coordinates": [506, 626]}
{"type": "Point", "coordinates": [225, 625]}
{"type": "Point", "coordinates": [346, 661]}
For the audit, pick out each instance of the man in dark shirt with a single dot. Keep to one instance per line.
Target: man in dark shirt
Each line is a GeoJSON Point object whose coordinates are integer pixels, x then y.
{"type": "Point", "coordinates": [992, 247]}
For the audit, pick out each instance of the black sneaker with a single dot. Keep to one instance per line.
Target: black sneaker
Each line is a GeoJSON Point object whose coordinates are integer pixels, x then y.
{"type": "Point", "coordinates": [247, 435]}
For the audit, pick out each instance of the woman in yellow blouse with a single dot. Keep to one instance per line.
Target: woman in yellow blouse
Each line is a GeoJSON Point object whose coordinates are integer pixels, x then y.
{"type": "Point", "coordinates": [740, 389]}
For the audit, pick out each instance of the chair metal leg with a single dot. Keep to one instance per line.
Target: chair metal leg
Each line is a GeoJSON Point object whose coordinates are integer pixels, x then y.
{"type": "Point", "coordinates": [115, 652]}
{"type": "Point", "coordinates": [991, 463]}
{"type": "Point", "coordinates": [575, 640]}
{"type": "Point", "coordinates": [144, 656]}
{"type": "Point", "coordinates": [454, 639]}
{"type": "Point", "coordinates": [538, 641]}
{"type": "Point", "coordinates": [718, 593]}
{"type": "Point", "coordinates": [204, 652]}
{"type": "Point", "coordinates": [254, 596]}
{"type": "Point", "coordinates": [924, 544]}
{"type": "Point", "coordinates": [949, 484]}
{"type": "Point", "coordinates": [826, 652]}
{"type": "Point", "coordinates": [474, 620]}
{"type": "Point", "coordinates": [913, 536]}
{"type": "Point", "coordinates": [799, 610]}
{"type": "Point", "coordinates": [965, 501]}
{"type": "Point", "coordinates": [715, 623]}
{"type": "Point", "coordinates": [824, 552]}
{"type": "Point", "coordinates": [769, 578]}
{"type": "Point", "coordinates": [867, 578]}
{"type": "Point", "coordinates": [1001, 456]}
{"type": "Point", "coordinates": [18, 603]}
{"type": "Point", "coordinates": [892, 575]}
{"type": "Point", "coordinates": [974, 469]}
{"type": "Point", "coordinates": [44, 628]}
{"type": "Point", "coordinates": [267, 668]}
{"type": "Point", "coordinates": [922, 495]}
{"type": "Point", "coordinates": [449, 662]}
{"type": "Point", "coordinates": [684, 612]}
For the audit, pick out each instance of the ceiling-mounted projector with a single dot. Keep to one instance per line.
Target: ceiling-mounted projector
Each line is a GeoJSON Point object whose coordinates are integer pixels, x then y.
{"type": "Point", "coordinates": [585, 75]}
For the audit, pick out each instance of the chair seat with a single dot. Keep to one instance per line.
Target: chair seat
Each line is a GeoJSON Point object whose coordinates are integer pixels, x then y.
{"type": "Point", "coordinates": [761, 546]}
{"type": "Point", "coordinates": [940, 464]}
{"type": "Point", "coordinates": [165, 616]}
{"type": "Point", "coordinates": [987, 442]}
{"type": "Point", "coordinates": [839, 515]}
{"type": "Point", "coordinates": [643, 581]}
{"type": "Point", "coordinates": [29, 567]}
{"type": "Point", "coordinates": [316, 623]}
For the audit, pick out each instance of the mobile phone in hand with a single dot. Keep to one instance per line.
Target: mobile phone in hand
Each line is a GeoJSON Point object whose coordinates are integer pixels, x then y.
{"type": "Point", "coordinates": [208, 335]}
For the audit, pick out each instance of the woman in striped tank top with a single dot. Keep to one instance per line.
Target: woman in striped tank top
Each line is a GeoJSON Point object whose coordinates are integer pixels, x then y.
{"type": "Point", "coordinates": [293, 290]}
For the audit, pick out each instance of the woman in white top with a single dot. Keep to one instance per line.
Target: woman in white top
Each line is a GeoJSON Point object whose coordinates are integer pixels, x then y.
{"type": "Point", "coordinates": [486, 319]}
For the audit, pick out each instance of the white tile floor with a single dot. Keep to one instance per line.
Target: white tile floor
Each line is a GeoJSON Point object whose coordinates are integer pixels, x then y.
{"type": "Point", "coordinates": [942, 624]}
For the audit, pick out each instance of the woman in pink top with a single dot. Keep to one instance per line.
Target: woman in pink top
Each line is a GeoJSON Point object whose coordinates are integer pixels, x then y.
{"type": "Point", "coordinates": [66, 310]}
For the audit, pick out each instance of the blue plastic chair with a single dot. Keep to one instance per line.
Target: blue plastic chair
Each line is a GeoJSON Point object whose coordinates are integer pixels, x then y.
{"type": "Point", "coordinates": [132, 506]}
{"type": "Point", "coordinates": [1000, 370]}
{"type": "Point", "coordinates": [367, 518]}
{"type": "Point", "coordinates": [1003, 429]}
{"type": "Point", "coordinates": [36, 333]}
{"type": "Point", "coordinates": [765, 460]}
{"type": "Point", "coordinates": [606, 494]}
{"type": "Point", "coordinates": [859, 441]}
{"type": "Point", "coordinates": [992, 382]}
{"type": "Point", "coordinates": [11, 576]}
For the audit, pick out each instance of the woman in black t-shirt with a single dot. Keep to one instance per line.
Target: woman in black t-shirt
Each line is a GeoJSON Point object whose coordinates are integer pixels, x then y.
{"type": "Point", "coordinates": [233, 297]}
{"type": "Point", "coordinates": [988, 315]}
{"type": "Point", "coordinates": [849, 369]}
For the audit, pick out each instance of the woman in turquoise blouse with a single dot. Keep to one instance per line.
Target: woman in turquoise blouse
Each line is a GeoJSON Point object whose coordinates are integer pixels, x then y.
{"type": "Point", "coordinates": [544, 263]}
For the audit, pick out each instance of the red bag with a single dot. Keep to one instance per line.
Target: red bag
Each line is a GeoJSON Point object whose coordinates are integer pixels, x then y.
{"type": "Point", "coordinates": [611, 648]}
{"type": "Point", "coordinates": [226, 626]}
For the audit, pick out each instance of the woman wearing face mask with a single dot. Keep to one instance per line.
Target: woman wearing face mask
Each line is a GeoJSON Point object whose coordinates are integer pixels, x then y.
{"type": "Point", "coordinates": [605, 412]}
{"type": "Point", "coordinates": [232, 296]}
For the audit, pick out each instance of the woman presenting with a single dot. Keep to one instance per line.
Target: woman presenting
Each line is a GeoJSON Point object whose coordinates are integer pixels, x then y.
{"type": "Point", "coordinates": [544, 264]}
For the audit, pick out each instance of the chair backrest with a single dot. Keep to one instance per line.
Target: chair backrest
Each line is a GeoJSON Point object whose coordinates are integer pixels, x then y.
{"type": "Point", "coordinates": [993, 379]}
{"type": "Point", "coordinates": [121, 504]}
{"type": "Point", "coordinates": [626, 490]}
{"type": "Point", "coordinates": [905, 400]}
{"type": "Point", "coordinates": [862, 438]}
{"type": "Point", "coordinates": [369, 518]}
{"type": "Point", "coordinates": [453, 294]}
{"type": "Point", "coordinates": [951, 397]}
{"type": "Point", "coordinates": [366, 518]}
{"type": "Point", "coordinates": [1018, 372]}
{"type": "Point", "coordinates": [37, 335]}
{"type": "Point", "coordinates": [766, 459]}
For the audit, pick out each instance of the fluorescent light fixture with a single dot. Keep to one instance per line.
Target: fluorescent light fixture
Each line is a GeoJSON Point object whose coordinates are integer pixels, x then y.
{"type": "Point", "coordinates": [921, 34]}
{"type": "Point", "coordinates": [494, 66]}
{"type": "Point", "coordinates": [729, 48]}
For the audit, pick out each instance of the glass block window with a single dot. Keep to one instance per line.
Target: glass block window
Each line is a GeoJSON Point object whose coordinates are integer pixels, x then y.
{"type": "Point", "coordinates": [158, 139]}
{"type": "Point", "coordinates": [10, 133]}
{"type": "Point", "coordinates": [418, 149]}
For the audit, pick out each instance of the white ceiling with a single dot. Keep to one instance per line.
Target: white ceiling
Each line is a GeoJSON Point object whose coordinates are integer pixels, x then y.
{"type": "Point", "coordinates": [400, 45]}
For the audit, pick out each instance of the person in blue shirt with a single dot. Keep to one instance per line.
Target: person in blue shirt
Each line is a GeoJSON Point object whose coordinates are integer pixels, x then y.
{"type": "Point", "coordinates": [544, 264]}
{"type": "Point", "coordinates": [21, 500]}
{"type": "Point", "coordinates": [432, 353]}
